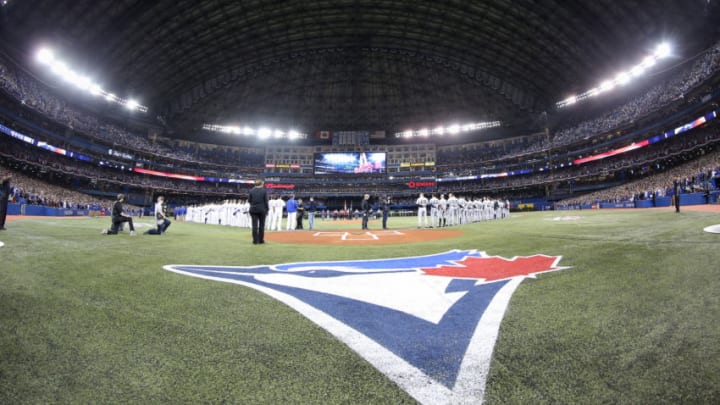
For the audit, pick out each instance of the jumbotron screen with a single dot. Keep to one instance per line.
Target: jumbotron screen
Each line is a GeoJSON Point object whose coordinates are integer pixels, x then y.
{"type": "Point", "coordinates": [350, 162]}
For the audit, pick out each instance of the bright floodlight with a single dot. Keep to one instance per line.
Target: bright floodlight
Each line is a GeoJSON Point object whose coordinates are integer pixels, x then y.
{"type": "Point", "coordinates": [131, 104]}
{"type": "Point", "coordinates": [571, 100]}
{"type": "Point", "coordinates": [264, 132]}
{"type": "Point", "coordinates": [453, 129]}
{"type": "Point", "coordinates": [95, 89]}
{"type": "Point", "coordinates": [292, 134]}
{"type": "Point", "coordinates": [83, 82]}
{"type": "Point", "coordinates": [248, 131]}
{"type": "Point", "coordinates": [663, 50]}
{"type": "Point", "coordinates": [649, 61]}
{"type": "Point", "coordinates": [57, 66]}
{"type": "Point", "coordinates": [622, 78]}
{"type": "Point", "coordinates": [606, 85]}
{"type": "Point", "coordinates": [637, 70]}
{"type": "Point", "coordinates": [45, 56]}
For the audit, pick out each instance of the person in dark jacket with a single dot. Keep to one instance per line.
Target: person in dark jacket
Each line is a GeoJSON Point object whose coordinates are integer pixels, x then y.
{"type": "Point", "coordinates": [119, 217]}
{"type": "Point", "coordinates": [4, 196]}
{"type": "Point", "coordinates": [300, 214]}
{"type": "Point", "coordinates": [311, 209]}
{"type": "Point", "coordinates": [259, 207]}
{"type": "Point", "coordinates": [365, 208]}
{"type": "Point", "coordinates": [385, 211]}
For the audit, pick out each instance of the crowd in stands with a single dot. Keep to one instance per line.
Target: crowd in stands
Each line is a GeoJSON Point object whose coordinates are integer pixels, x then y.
{"type": "Point", "coordinates": [81, 175]}
{"type": "Point", "coordinates": [33, 94]}
{"type": "Point", "coordinates": [697, 175]}
{"type": "Point", "coordinates": [655, 99]}
{"type": "Point", "coordinates": [669, 152]}
{"type": "Point", "coordinates": [33, 191]}
{"type": "Point", "coordinates": [88, 176]}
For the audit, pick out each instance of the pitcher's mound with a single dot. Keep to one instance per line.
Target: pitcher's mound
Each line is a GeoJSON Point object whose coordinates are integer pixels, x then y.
{"type": "Point", "coordinates": [355, 237]}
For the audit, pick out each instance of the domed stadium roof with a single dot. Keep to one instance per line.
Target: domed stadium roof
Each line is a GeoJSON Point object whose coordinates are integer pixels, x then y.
{"type": "Point", "coordinates": [351, 64]}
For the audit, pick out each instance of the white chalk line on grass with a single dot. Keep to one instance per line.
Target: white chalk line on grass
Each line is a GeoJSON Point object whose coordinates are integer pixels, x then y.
{"type": "Point", "coordinates": [712, 229]}
{"type": "Point", "coordinates": [354, 236]}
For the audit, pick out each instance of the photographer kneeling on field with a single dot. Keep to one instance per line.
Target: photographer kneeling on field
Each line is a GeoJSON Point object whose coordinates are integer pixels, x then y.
{"type": "Point", "coordinates": [119, 218]}
{"type": "Point", "coordinates": [163, 223]}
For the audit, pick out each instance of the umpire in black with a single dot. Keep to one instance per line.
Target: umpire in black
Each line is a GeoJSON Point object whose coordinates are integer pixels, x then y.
{"type": "Point", "coordinates": [258, 200]}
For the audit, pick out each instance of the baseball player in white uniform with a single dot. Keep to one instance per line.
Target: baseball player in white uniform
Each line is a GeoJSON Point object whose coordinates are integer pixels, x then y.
{"type": "Point", "coordinates": [434, 219]}
{"type": "Point", "coordinates": [422, 203]}
{"type": "Point", "coordinates": [452, 209]}
{"type": "Point", "coordinates": [442, 211]}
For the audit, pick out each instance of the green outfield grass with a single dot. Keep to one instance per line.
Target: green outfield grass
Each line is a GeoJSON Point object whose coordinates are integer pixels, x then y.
{"type": "Point", "coordinates": [87, 318]}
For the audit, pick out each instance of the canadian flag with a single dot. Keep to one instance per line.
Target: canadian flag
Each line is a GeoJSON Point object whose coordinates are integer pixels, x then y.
{"type": "Point", "coordinates": [323, 135]}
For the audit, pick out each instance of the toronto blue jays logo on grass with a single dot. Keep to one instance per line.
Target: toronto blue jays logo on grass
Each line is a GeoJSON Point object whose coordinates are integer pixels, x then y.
{"type": "Point", "coordinates": [428, 322]}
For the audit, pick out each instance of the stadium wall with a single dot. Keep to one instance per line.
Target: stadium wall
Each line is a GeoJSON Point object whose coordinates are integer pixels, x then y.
{"type": "Point", "coordinates": [40, 210]}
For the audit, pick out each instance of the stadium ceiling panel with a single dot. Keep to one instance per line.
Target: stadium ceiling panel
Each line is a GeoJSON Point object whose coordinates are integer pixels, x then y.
{"type": "Point", "coordinates": [351, 64]}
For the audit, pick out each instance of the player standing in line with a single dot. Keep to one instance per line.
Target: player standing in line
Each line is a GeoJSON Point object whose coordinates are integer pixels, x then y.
{"type": "Point", "coordinates": [365, 208]}
{"type": "Point", "coordinates": [224, 213]}
{"type": "Point", "coordinates": [452, 209]}
{"type": "Point", "coordinates": [422, 203]}
{"type": "Point", "coordinates": [462, 205]}
{"type": "Point", "coordinates": [271, 212]}
{"type": "Point", "coordinates": [247, 219]}
{"type": "Point", "coordinates": [279, 205]}
{"type": "Point", "coordinates": [238, 212]}
{"type": "Point", "coordinates": [235, 213]}
{"type": "Point", "coordinates": [291, 208]}
{"type": "Point", "coordinates": [488, 209]}
{"type": "Point", "coordinates": [270, 223]}
{"type": "Point", "coordinates": [231, 218]}
{"type": "Point", "coordinates": [434, 202]}
{"type": "Point", "coordinates": [442, 211]}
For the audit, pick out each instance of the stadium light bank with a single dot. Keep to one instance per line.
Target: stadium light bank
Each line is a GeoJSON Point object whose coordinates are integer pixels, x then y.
{"type": "Point", "coordinates": [447, 130]}
{"type": "Point", "coordinates": [262, 132]}
{"type": "Point", "coordinates": [46, 57]}
{"type": "Point", "coordinates": [661, 51]}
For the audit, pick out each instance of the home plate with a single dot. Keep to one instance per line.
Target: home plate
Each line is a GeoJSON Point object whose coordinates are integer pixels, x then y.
{"type": "Point", "coordinates": [712, 229]}
{"type": "Point", "coordinates": [2, 244]}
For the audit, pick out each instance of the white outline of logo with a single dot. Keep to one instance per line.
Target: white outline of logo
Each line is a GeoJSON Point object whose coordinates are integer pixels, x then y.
{"type": "Point", "coordinates": [469, 385]}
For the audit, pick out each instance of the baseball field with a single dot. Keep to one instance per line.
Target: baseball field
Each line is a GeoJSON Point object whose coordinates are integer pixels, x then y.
{"type": "Point", "coordinates": [629, 315]}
